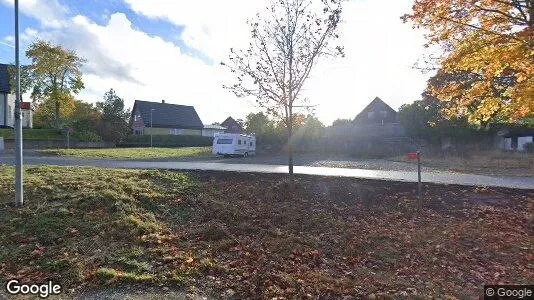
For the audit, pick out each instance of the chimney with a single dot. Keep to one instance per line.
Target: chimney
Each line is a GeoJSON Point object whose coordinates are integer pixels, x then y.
{"type": "Point", "coordinates": [162, 101]}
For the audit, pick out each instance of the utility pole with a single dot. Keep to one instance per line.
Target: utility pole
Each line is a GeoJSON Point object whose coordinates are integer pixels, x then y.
{"type": "Point", "coordinates": [19, 199]}
{"type": "Point", "coordinates": [151, 110]}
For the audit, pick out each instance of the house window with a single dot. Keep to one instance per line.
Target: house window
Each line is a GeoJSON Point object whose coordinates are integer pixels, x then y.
{"type": "Point", "coordinates": [371, 114]}
{"type": "Point", "coordinates": [383, 113]}
{"type": "Point", "coordinates": [514, 142]}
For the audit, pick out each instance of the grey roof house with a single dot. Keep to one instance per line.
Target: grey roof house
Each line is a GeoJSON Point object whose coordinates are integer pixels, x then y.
{"type": "Point", "coordinates": [376, 112]}
{"type": "Point", "coordinates": [165, 118]}
{"type": "Point", "coordinates": [232, 126]}
{"type": "Point", "coordinates": [376, 121]}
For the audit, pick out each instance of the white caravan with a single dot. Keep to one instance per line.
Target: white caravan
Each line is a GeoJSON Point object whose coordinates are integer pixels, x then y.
{"type": "Point", "coordinates": [229, 144]}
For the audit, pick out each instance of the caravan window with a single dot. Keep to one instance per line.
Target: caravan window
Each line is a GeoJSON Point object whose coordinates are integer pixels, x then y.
{"type": "Point", "coordinates": [250, 143]}
{"type": "Point", "coordinates": [239, 142]}
{"type": "Point", "coordinates": [224, 141]}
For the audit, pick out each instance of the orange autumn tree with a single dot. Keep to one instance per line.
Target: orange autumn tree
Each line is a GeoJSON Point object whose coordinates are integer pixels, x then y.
{"type": "Point", "coordinates": [486, 70]}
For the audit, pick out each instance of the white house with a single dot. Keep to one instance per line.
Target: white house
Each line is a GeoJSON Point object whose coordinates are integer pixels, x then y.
{"type": "Point", "coordinates": [211, 130]}
{"type": "Point", "coordinates": [516, 139]}
{"type": "Point", "coordinates": [517, 143]}
{"type": "Point", "coordinates": [7, 103]}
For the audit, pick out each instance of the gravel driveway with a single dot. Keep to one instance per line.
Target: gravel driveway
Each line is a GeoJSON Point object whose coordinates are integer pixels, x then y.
{"type": "Point", "coordinates": [333, 161]}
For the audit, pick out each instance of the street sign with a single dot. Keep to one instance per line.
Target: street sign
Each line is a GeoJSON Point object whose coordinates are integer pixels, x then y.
{"type": "Point", "coordinates": [412, 156]}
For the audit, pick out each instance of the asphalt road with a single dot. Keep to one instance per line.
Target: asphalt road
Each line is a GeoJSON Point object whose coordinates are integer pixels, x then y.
{"type": "Point", "coordinates": [442, 177]}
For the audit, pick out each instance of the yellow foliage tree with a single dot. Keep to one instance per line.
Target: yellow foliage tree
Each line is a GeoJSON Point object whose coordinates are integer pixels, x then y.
{"type": "Point", "coordinates": [55, 76]}
{"type": "Point", "coordinates": [488, 56]}
{"type": "Point", "coordinates": [45, 111]}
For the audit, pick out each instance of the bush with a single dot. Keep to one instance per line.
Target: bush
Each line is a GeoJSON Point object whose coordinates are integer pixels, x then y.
{"type": "Point", "coordinates": [166, 141]}
{"type": "Point", "coordinates": [381, 148]}
{"type": "Point", "coordinates": [86, 136]}
{"type": "Point", "coordinates": [34, 134]}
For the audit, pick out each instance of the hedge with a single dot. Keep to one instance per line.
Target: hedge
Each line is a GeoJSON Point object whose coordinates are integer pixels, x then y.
{"type": "Point", "coordinates": [166, 141]}
{"type": "Point", "coordinates": [34, 134]}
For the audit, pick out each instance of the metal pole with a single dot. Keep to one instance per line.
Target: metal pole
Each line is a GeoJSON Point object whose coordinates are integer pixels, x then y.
{"type": "Point", "coordinates": [19, 199]}
{"type": "Point", "coordinates": [151, 127]}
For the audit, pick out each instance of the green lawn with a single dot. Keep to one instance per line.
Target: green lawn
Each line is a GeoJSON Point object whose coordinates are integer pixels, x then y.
{"type": "Point", "coordinates": [80, 222]}
{"type": "Point", "coordinates": [131, 153]}
{"type": "Point", "coordinates": [33, 134]}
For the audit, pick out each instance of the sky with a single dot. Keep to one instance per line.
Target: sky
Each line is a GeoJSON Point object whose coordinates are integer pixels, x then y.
{"type": "Point", "coordinates": [172, 49]}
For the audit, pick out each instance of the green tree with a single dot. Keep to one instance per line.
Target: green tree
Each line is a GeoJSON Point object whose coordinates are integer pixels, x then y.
{"type": "Point", "coordinates": [25, 78]}
{"type": "Point", "coordinates": [426, 119]}
{"type": "Point", "coordinates": [257, 123]}
{"type": "Point", "coordinates": [45, 110]}
{"type": "Point", "coordinates": [114, 123]}
{"type": "Point", "coordinates": [313, 128]}
{"type": "Point", "coordinates": [268, 134]}
{"type": "Point", "coordinates": [342, 122]}
{"type": "Point", "coordinates": [85, 121]}
{"type": "Point", "coordinates": [287, 40]}
{"type": "Point", "coordinates": [421, 117]}
{"type": "Point", "coordinates": [54, 75]}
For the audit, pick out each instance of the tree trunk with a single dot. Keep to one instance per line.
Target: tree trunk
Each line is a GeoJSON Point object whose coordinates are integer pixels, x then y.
{"type": "Point", "coordinates": [531, 13]}
{"type": "Point", "coordinates": [290, 150]}
{"type": "Point", "coordinates": [57, 121]}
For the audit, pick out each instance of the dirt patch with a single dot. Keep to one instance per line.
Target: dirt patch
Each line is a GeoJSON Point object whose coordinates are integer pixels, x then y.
{"type": "Point", "coordinates": [342, 237]}
{"type": "Point", "coordinates": [493, 199]}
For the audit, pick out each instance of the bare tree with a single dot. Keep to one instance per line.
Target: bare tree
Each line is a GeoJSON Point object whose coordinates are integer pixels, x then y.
{"type": "Point", "coordinates": [287, 40]}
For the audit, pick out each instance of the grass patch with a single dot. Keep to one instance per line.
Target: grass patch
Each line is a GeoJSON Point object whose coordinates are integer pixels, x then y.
{"type": "Point", "coordinates": [132, 153]}
{"type": "Point", "coordinates": [80, 223]}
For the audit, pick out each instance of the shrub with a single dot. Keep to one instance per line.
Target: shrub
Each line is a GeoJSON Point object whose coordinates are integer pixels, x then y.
{"type": "Point", "coordinates": [34, 134]}
{"type": "Point", "coordinates": [529, 147]}
{"type": "Point", "coordinates": [86, 136]}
